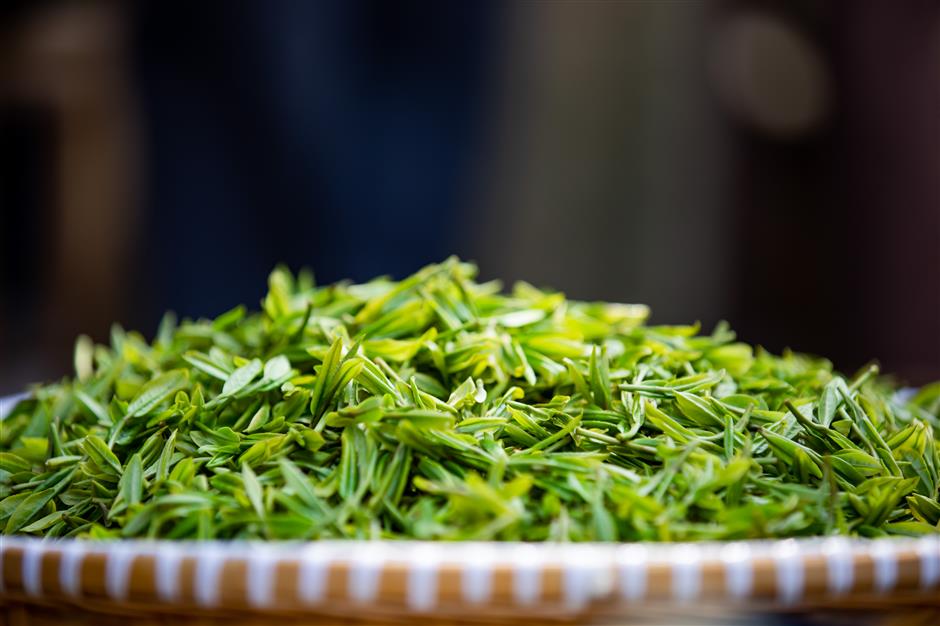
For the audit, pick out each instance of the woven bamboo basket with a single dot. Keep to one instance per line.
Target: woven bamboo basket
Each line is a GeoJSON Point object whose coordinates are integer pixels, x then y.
{"type": "Point", "coordinates": [486, 581]}
{"type": "Point", "coordinates": [68, 581]}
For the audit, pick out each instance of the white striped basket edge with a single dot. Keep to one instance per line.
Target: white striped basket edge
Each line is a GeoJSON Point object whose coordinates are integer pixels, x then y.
{"type": "Point", "coordinates": [459, 578]}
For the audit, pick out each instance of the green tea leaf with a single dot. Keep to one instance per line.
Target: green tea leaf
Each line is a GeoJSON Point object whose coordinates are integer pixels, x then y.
{"type": "Point", "coordinates": [240, 378]}
{"type": "Point", "coordinates": [27, 509]}
{"type": "Point", "coordinates": [253, 490]}
{"type": "Point", "coordinates": [438, 407]}
{"type": "Point", "coordinates": [155, 392]}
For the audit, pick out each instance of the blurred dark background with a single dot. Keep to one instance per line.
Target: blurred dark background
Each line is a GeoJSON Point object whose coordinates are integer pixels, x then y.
{"type": "Point", "coordinates": [775, 164]}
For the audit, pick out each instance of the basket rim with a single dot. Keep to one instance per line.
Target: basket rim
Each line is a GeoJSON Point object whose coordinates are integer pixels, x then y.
{"type": "Point", "coordinates": [426, 576]}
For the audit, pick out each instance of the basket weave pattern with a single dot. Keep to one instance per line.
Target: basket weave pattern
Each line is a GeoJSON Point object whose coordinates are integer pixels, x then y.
{"type": "Point", "coordinates": [454, 578]}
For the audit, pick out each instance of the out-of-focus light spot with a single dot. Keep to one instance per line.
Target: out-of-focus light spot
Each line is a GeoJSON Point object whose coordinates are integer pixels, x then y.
{"type": "Point", "coordinates": [769, 75]}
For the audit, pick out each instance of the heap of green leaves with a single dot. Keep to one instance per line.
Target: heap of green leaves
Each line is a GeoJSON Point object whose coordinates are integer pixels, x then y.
{"type": "Point", "coordinates": [440, 408]}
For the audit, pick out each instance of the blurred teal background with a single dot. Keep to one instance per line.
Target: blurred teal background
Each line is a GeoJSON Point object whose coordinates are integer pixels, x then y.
{"type": "Point", "coordinates": [771, 163]}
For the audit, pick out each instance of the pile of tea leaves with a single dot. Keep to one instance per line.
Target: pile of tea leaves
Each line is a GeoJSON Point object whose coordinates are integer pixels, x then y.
{"type": "Point", "coordinates": [441, 408]}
